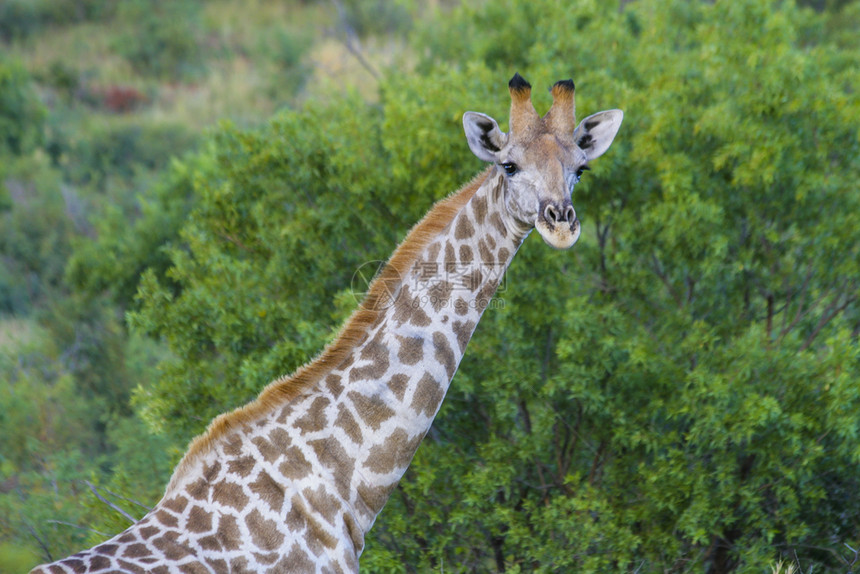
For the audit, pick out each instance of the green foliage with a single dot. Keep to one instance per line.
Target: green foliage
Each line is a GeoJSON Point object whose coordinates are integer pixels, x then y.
{"type": "Point", "coordinates": [116, 149]}
{"type": "Point", "coordinates": [21, 114]}
{"type": "Point", "coordinates": [376, 17]}
{"type": "Point", "coordinates": [160, 37]}
{"type": "Point", "coordinates": [132, 239]}
{"type": "Point", "coordinates": [23, 18]}
{"type": "Point", "coordinates": [35, 235]}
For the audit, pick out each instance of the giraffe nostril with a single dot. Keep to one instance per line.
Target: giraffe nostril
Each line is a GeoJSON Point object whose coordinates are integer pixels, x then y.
{"type": "Point", "coordinates": [553, 214]}
{"type": "Point", "coordinates": [569, 214]}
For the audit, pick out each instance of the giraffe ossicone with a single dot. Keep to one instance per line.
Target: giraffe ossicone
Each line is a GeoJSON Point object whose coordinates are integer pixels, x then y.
{"type": "Point", "coordinates": [293, 481]}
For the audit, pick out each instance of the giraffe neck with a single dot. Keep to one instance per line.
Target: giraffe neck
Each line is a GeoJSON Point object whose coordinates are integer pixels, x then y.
{"type": "Point", "coordinates": [295, 484]}
{"type": "Point", "coordinates": [359, 428]}
{"type": "Point", "coordinates": [395, 382]}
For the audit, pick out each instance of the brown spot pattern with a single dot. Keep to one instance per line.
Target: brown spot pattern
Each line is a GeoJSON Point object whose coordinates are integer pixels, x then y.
{"type": "Point", "coordinates": [463, 330]}
{"type": "Point", "coordinates": [193, 568]}
{"type": "Point", "coordinates": [176, 503]}
{"type": "Point", "coordinates": [148, 532]}
{"type": "Point", "coordinates": [296, 515]}
{"type": "Point", "coordinates": [210, 472]}
{"type": "Point", "coordinates": [433, 251]}
{"type": "Point", "coordinates": [240, 566]}
{"type": "Point", "coordinates": [373, 497]}
{"type": "Point", "coordinates": [296, 561]}
{"type": "Point", "coordinates": [444, 354]}
{"type": "Point", "coordinates": [372, 410]}
{"type": "Point", "coordinates": [171, 549]}
{"type": "Point", "coordinates": [474, 279]}
{"type": "Point", "coordinates": [135, 551]}
{"type": "Point", "coordinates": [486, 255]}
{"type": "Point", "coordinates": [318, 538]}
{"type": "Point", "coordinates": [167, 519]}
{"type": "Point", "coordinates": [428, 395]}
{"type": "Point", "coordinates": [106, 549]}
{"type": "Point", "coordinates": [314, 420]}
{"type": "Point", "coordinates": [411, 349]}
{"type": "Point", "coordinates": [197, 490]}
{"type": "Point", "coordinates": [398, 384]}
{"type": "Point", "coordinates": [129, 567]}
{"type": "Point", "coordinates": [439, 294]}
{"type": "Point", "coordinates": [334, 385]}
{"type": "Point", "coordinates": [294, 465]}
{"type": "Point", "coordinates": [394, 453]}
{"type": "Point", "coordinates": [377, 353]}
{"type": "Point", "coordinates": [242, 465]}
{"type": "Point", "coordinates": [479, 208]}
{"type": "Point", "coordinates": [233, 445]}
{"type": "Point", "coordinates": [267, 448]}
{"type": "Point", "coordinates": [498, 224]}
{"type": "Point", "coordinates": [268, 558]}
{"type": "Point", "coordinates": [466, 254]}
{"type": "Point", "coordinates": [450, 254]}
{"type": "Point", "coordinates": [269, 490]}
{"type": "Point", "coordinates": [333, 456]}
{"type": "Point", "coordinates": [229, 494]}
{"type": "Point", "coordinates": [463, 228]}
{"type": "Point", "coordinates": [264, 532]}
{"type": "Point", "coordinates": [347, 422]}
{"type": "Point", "coordinates": [199, 520]}
{"type": "Point", "coordinates": [209, 543]}
{"type": "Point", "coordinates": [322, 502]}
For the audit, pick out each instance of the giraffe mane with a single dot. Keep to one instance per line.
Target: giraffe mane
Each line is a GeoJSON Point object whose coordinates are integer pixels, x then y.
{"type": "Point", "coordinates": [354, 331]}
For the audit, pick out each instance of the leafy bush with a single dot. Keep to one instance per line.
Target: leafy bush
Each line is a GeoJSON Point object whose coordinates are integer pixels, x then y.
{"type": "Point", "coordinates": [117, 148]}
{"type": "Point", "coordinates": [21, 114]}
{"type": "Point", "coordinates": [20, 19]}
{"type": "Point", "coordinates": [160, 37]}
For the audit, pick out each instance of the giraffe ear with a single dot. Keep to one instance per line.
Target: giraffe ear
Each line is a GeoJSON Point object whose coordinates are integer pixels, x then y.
{"type": "Point", "coordinates": [484, 136]}
{"type": "Point", "coordinates": [595, 133]}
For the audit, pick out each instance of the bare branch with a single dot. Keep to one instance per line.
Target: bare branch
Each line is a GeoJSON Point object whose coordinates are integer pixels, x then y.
{"type": "Point", "coordinates": [131, 500]}
{"type": "Point", "coordinates": [658, 270]}
{"type": "Point", "coordinates": [41, 542]}
{"type": "Point", "coordinates": [78, 527]}
{"type": "Point", "coordinates": [128, 516]}
{"type": "Point", "coordinates": [351, 41]}
{"type": "Point", "coordinates": [832, 311]}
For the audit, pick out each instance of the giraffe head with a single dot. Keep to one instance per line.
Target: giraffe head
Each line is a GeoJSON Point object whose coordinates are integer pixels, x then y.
{"type": "Point", "coordinates": [542, 158]}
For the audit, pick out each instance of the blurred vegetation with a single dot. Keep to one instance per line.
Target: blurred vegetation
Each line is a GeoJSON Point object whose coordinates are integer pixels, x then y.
{"type": "Point", "coordinates": [677, 393]}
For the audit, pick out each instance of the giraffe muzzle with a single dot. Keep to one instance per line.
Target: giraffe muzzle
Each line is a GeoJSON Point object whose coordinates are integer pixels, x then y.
{"type": "Point", "coordinates": [558, 224]}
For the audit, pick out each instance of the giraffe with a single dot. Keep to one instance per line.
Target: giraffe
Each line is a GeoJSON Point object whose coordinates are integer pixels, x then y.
{"type": "Point", "coordinates": [293, 481]}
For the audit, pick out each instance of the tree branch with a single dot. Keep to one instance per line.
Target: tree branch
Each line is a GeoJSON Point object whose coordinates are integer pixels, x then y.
{"type": "Point", "coordinates": [78, 527]}
{"type": "Point", "coordinates": [826, 317]}
{"type": "Point", "coordinates": [351, 41]}
{"type": "Point", "coordinates": [41, 542]}
{"type": "Point", "coordinates": [128, 516]}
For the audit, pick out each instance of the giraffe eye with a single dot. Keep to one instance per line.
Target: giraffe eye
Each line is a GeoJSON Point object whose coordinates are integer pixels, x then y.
{"type": "Point", "coordinates": [510, 168]}
{"type": "Point", "coordinates": [581, 170]}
